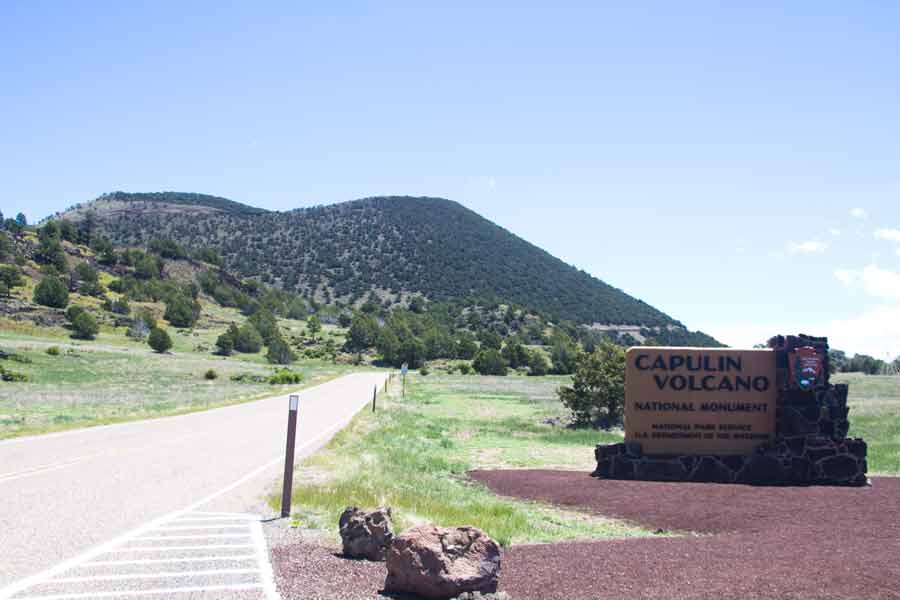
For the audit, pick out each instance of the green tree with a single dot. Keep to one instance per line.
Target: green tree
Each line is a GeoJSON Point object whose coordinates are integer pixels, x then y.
{"type": "Point", "coordinates": [6, 246]}
{"type": "Point", "coordinates": [89, 280]}
{"type": "Point", "coordinates": [225, 342]}
{"type": "Point", "coordinates": [167, 249]}
{"type": "Point", "coordinates": [563, 354]}
{"type": "Point", "coordinates": [159, 340]}
{"type": "Point", "coordinates": [363, 332]}
{"type": "Point", "coordinates": [146, 267]}
{"type": "Point", "coordinates": [490, 339]}
{"type": "Point", "coordinates": [10, 277]}
{"type": "Point", "coordinates": [537, 363]}
{"type": "Point", "coordinates": [50, 252]}
{"type": "Point", "coordinates": [279, 352]}
{"type": "Point", "coordinates": [314, 326]}
{"type": "Point", "coordinates": [182, 311]}
{"type": "Point", "coordinates": [466, 348]}
{"type": "Point", "coordinates": [73, 311]}
{"type": "Point", "coordinates": [51, 291]}
{"type": "Point", "coordinates": [248, 339]}
{"type": "Point", "coordinates": [84, 326]}
{"type": "Point", "coordinates": [515, 354]}
{"type": "Point", "coordinates": [21, 221]}
{"type": "Point", "coordinates": [265, 324]}
{"type": "Point", "coordinates": [489, 361]}
{"type": "Point", "coordinates": [388, 345]}
{"type": "Point", "coordinates": [597, 394]}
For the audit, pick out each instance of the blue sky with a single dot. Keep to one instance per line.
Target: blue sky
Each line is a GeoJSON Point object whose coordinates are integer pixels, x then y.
{"type": "Point", "coordinates": [737, 166]}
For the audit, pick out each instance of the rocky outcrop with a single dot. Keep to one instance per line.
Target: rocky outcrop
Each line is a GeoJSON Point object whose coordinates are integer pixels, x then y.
{"type": "Point", "coordinates": [441, 563]}
{"type": "Point", "coordinates": [366, 534]}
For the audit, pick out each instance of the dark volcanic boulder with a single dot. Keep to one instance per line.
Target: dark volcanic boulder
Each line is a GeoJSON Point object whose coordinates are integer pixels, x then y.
{"type": "Point", "coordinates": [366, 534]}
{"type": "Point", "coordinates": [441, 563]}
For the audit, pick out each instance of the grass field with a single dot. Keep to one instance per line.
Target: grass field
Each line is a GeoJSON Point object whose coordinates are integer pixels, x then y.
{"type": "Point", "coordinates": [875, 416]}
{"type": "Point", "coordinates": [413, 453]}
{"type": "Point", "coordinates": [113, 378]}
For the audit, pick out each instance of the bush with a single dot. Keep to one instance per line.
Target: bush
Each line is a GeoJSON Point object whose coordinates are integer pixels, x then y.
{"type": "Point", "coordinates": [117, 307]}
{"type": "Point", "coordinates": [73, 311]}
{"type": "Point", "coordinates": [489, 361]}
{"type": "Point", "coordinates": [537, 363]}
{"type": "Point", "coordinates": [249, 378]}
{"type": "Point", "coordinates": [12, 375]}
{"type": "Point", "coordinates": [52, 292]}
{"type": "Point", "coordinates": [159, 340]}
{"type": "Point", "coordinates": [53, 350]}
{"type": "Point", "coordinates": [597, 394]}
{"type": "Point", "coordinates": [423, 370]}
{"type": "Point", "coordinates": [464, 369]}
{"type": "Point", "coordinates": [248, 339]}
{"type": "Point", "coordinates": [84, 326]}
{"type": "Point", "coordinates": [279, 352]}
{"type": "Point", "coordinates": [182, 311]}
{"type": "Point", "coordinates": [225, 342]}
{"type": "Point", "coordinates": [10, 277]}
{"type": "Point", "coordinates": [563, 354]}
{"type": "Point", "coordinates": [210, 375]}
{"type": "Point", "coordinates": [285, 376]}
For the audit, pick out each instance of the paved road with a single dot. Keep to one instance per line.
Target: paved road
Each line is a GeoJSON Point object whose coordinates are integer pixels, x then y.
{"type": "Point", "coordinates": [93, 500]}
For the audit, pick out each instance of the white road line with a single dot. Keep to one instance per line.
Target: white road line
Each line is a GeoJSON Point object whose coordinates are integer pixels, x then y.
{"type": "Point", "coordinates": [151, 561]}
{"type": "Point", "coordinates": [211, 519]}
{"type": "Point", "coordinates": [221, 514]}
{"type": "Point", "coordinates": [9, 591]}
{"type": "Point", "coordinates": [42, 469]}
{"type": "Point", "coordinates": [193, 527]}
{"type": "Point", "coordinates": [163, 575]}
{"type": "Point", "coordinates": [155, 592]}
{"type": "Point", "coordinates": [262, 555]}
{"type": "Point", "coordinates": [209, 536]}
{"type": "Point", "coordinates": [167, 548]}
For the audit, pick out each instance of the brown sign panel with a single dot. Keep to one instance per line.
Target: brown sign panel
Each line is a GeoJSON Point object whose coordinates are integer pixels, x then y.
{"type": "Point", "coordinates": [699, 400]}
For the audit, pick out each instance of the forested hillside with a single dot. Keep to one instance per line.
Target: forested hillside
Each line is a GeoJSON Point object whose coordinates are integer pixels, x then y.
{"type": "Point", "coordinates": [386, 249]}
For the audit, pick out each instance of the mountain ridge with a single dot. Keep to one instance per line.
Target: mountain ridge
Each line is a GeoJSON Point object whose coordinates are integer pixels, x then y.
{"type": "Point", "coordinates": [382, 248]}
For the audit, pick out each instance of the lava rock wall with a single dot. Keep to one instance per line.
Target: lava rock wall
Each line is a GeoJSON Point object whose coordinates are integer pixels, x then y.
{"type": "Point", "coordinates": [810, 444]}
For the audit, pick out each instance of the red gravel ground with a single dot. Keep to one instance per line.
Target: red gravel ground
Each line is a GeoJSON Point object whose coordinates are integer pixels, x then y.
{"type": "Point", "coordinates": [759, 542]}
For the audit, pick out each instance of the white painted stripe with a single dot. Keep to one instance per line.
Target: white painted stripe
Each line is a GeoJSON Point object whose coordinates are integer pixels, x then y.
{"type": "Point", "coordinates": [167, 548]}
{"type": "Point", "coordinates": [208, 536]}
{"type": "Point", "coordinates": [162, 575]}
{"type": "Point", "coordinates": [220, 514]}
{"type": "Point", "coordinates": [150, 561]}
{"type": "Point", "coordinates": [40, 470]}
{"type": "Point", "coordinates": [155, 592]}
{"type": "Point", "coordinates": [262, 554]}
{"type": "Point", "coordinates": [204, 527]}
{"type": "Point", "coordinates": [215, 520]}
{"type": "Point", "coordinates": [9, 591]}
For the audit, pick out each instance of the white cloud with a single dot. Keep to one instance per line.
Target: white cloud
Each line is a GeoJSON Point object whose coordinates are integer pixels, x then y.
{"type": "Point", "coordinates": [809, 247]}
{"type": "Point", "coordinates": [881, 283]}
{"type": "Point", "coordinates": [876, 332]}
{"type": "Point", "coordinates": [892, 235]}
{"type": "Point", "coordinates": [858, 213]}
{"type": "Point", "coordinates": [845, 276]}
{"type": "Point", "coordinates": [491, 182]}
{"type": "Point", "coordinates": [898, 251]}
{"type": "Point", "coordinates": [834, 231]}
{"type": "Point", "coordinates": [875, 281]}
